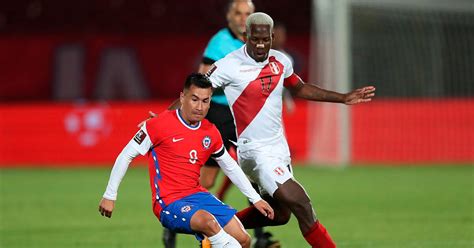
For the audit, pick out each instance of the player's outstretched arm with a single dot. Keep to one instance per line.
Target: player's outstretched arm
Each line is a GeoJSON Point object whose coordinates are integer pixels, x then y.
{"type": "Point", "coordinates": [232, 170]}
{"type": "Point", "coordinates": [106, 205]}
{"type": "Point", "coordinates": [314, 93]}
{"type": "Point", "coordinates": [361, 95]}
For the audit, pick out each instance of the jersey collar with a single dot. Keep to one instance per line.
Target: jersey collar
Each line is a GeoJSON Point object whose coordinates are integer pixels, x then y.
{"type": "Point", "coordinates": [195, 127]}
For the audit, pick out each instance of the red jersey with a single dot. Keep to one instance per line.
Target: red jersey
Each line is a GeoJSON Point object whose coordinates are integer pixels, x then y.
{"type": "Point", "coordinates": [176, 153]}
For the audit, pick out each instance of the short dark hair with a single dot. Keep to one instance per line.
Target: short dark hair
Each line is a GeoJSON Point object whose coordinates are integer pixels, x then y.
{"type": "Point", "coordinates": [199, 80]}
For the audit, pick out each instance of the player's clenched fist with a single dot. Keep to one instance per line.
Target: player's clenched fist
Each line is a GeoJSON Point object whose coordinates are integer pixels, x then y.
{"type": "Point", "coordinates": [106, 207]}
{"type": "Point", "coordinates": [264, 208]}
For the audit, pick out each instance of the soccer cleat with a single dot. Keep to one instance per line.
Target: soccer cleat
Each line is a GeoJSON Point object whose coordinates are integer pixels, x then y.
{"type": "Point", "coordinates": [205, 243]}
{"type": "Point", "coordinates": [169, 238]}
{"type": "Point", "coordinates": [265, 241]}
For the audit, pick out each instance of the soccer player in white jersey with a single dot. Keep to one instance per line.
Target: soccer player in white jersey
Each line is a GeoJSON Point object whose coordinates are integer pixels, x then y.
{"type": "Point", "coordinates": [253, 78]}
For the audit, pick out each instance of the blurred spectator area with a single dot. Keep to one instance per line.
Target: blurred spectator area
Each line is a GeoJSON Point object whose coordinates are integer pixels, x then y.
{"type": "Point", "coordinates": [118, 49]}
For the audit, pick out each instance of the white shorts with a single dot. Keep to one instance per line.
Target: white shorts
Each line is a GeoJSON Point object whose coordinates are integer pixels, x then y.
{"type": "Point", "coordinates": [267, 164]}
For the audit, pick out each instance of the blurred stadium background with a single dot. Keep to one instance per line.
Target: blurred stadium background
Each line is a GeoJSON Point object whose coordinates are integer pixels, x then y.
{"type": "Point", "coordinates": [77, 76]}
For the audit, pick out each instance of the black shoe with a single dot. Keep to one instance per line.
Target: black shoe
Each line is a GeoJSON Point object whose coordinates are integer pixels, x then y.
{"type": "Point", "coordinates": [265, 241]}
{"type": "Point", "coordinates": [169, 238]}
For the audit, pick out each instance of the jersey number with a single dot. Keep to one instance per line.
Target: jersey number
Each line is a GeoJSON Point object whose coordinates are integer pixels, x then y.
{"type": "Point", "coordinates": [193, 156]}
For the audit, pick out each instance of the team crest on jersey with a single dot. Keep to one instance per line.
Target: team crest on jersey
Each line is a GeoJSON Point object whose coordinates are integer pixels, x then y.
{"type": "Point", "coordinates": [274, 68]}
{"type": "Point", "coordinates": [185, 209]}
{"type": "Point", "coordinates": [206, 142]}
{"type": "Point", "coordinates": [266, 83]}
{"type": "Point", "coordinates": [279, 171]}
{"type": "Point", "coordinates": [139, 137]}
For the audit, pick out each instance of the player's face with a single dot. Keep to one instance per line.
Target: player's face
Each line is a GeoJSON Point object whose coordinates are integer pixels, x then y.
{"type": "Point", "coordinates": [237, 15]}
{"type": "Point", "coordinates": [195, 103]}
{"type": "Point", "coordinates": [259, 42]}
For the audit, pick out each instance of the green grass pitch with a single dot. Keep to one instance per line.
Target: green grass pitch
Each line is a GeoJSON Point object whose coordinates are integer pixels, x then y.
{"type": "Point", "coordinates": [406, 207]}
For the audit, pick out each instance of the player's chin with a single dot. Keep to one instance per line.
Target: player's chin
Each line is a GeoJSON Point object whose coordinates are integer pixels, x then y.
{"type": "Point", "coordinates": [198, 117]}
{"type": "Point", "coordinates": [260, 57]}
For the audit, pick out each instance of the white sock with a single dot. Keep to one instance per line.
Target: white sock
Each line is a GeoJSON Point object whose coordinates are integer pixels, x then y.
{"type": "Point", "coordinates": [224, 240]}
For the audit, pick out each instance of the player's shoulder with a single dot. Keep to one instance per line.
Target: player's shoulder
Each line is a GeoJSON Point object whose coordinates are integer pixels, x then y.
{"type": "Point", "coordinates": [280, 56]}
{"type": "Point", "coordinates": [208, 126]}
{"type": "Point", "coordinates": [162, 119]}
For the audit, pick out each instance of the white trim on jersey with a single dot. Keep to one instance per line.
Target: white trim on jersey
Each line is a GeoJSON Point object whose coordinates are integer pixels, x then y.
{"type": "Point", "coordinates": [196, 127]}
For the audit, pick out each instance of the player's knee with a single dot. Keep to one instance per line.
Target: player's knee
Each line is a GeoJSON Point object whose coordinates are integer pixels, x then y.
{"type": "Point", "coordinates": [245, 240]}
{"type": "Point", "coordinates": [211, 226]}
{"type": "Point", "coordinates": [205, 223]}
{"type": "Point", "coordinates": [283, 217]}
{"type": "Point", "coordinates": [302, 206]}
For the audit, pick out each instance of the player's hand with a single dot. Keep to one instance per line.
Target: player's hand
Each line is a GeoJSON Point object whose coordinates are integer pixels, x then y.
{"type": "Point", "coordinates": [150, 115]}
{"type": "Point", "coordinates": [106, 207]}
{"type": "Point", "coordinates": [265, 209]}
{"type": "Point", "coordinates": [361, 95]}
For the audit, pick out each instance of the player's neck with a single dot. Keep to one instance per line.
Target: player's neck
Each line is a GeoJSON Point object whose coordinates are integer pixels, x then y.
{"type": "Point", "coordinates": [185, 119]}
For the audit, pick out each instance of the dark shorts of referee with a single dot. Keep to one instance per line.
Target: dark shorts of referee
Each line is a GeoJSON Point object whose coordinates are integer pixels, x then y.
{"type": "Point", "coordinates": [221, 116]}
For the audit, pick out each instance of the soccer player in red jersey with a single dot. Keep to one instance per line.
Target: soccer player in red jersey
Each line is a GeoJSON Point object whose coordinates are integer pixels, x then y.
{"type": "Point", "coordinates": [177, 144]}
{"type": "Point", "coordinates": [253, 78]}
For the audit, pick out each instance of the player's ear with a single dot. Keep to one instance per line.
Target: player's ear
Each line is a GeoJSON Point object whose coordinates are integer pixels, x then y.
{"type": "Point", "coordinates": [181, 97]}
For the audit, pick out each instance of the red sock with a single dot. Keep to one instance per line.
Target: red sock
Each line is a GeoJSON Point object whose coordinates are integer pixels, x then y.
{"type": "Point", "coordinates": [318, 237]}
{"type": "Point", "coordinates": [226, 183]}
{"type": "Point", "coordinates": [248, 217]}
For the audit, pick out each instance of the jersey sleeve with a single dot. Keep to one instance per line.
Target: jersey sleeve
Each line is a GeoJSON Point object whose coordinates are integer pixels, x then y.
{"type": "Point", "coordinates": [291, 79]}
{"type": "Point", "coordinates": [218, 147]}
{"type": "Point", "coordinates": [142, 142]}
{"type": "Point", "coordinates": [288, 71]}
{"type": "Point", "coordinates": [220, 73]}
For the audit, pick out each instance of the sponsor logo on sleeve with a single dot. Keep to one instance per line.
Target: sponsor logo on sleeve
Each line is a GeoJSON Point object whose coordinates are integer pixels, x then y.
{"type": "Point", "coordinates": [211, 70]}
{"type": "Point", "coordinates": [139, 137]}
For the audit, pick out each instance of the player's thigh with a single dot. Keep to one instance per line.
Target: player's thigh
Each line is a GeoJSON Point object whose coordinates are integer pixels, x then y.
{"type": "Point", "coordinates": [237, 230]}
{"type": "Point", "coordinates": [208, 175]}
{"type": "Point", "coordinates": [204, 222]}
{"type": "Point", "coordinates": [292, 194]}
{"type": "Point", "coordinates": [271, 173]}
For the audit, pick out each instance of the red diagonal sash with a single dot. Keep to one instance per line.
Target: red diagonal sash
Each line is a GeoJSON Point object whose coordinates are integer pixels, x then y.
{"type": "Point", "coordinates": [253, 97]}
